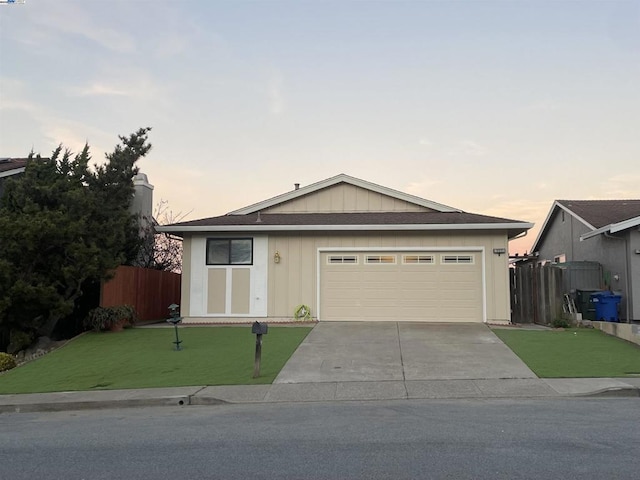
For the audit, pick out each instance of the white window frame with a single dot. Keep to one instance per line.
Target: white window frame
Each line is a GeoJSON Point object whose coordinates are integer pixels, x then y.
{"type": "Point", "coordinates": [342, 259]}
{"type": "Point", "coordinates": [419, 258]}
{"type": "Point", "coordinates": [368, 258]}
{"type": "Point", "coordinates": [446, 259]}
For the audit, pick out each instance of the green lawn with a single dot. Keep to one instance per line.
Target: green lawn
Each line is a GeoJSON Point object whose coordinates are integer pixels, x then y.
{"type": "Point", "coordinates": [573, 353]}
{"type": "Point", "coordinates": [144, 357]}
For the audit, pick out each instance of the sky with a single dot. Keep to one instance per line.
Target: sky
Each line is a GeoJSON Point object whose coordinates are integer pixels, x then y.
{"type": "Point", "coordinates": [496, 108]}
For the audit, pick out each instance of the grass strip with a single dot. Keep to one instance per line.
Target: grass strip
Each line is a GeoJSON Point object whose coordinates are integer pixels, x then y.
{"type": "Point", "coordinates": [579, 353]}
{"type": "Point", "coordinates": [144, 358]}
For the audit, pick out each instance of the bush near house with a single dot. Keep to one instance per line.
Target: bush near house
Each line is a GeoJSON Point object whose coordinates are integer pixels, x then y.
{"type": "Point", "coordinates": [7, 362]}
{"type": "Point", "coordinates": [110, 318]}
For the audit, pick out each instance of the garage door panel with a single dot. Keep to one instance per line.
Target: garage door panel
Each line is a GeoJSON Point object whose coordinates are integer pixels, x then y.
{"type": "Point", "coordinates": [411, 292]}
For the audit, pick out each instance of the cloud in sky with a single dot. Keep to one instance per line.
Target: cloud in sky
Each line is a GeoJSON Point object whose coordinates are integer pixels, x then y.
{"type": "Point", "coordinates": [100, 89]}
{"type": "Point", "coordinates": [275, 93]}
{"type": "Point", "coordinates": [78, 19]}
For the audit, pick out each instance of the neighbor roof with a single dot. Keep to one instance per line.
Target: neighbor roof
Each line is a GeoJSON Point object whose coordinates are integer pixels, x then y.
{"type": "Point", "coordinates": [349, 222]}
{"type": "Point", "coordinates": [12, 166]}
{"type": "Point", "coordinates": [597, 215]}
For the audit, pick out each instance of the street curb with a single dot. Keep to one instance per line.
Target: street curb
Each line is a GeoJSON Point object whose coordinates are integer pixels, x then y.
{"type": "Point", "coordinates": [613, 392]}
{"type": "Point", "coordinates": [175, 401]}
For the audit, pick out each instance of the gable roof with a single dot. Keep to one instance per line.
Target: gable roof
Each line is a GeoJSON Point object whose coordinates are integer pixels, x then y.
{"type": "Point", "coordinates": [253, 219]}
{"type": "Point", "coordinates": [598, 215]}
{"type": "Point", "coordinates": [342, 178]}
{"type": "Point", "coordinates": [12, 166]}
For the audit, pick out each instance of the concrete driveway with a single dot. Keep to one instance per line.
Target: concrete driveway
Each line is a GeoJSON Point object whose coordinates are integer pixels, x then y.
{"type": "Point", "coordinates": [384, 351]}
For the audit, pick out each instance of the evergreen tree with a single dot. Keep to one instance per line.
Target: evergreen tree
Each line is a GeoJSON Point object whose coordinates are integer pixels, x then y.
{"type": "Point", "coordinates": [62, 225]}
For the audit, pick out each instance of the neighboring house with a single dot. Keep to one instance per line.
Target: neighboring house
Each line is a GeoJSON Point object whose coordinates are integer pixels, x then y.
{"type": "Point", "coordinates": [349, 250]}
{"type": "Point", "coordinates": [10, 167]}
{"type": "Point", "coordinates": [604, 231]}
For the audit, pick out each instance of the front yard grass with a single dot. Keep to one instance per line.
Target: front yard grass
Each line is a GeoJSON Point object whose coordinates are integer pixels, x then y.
{"type": "Point", "coordinates": [144, 357]}
{"type": "Point", "coordinates": [573, 353]}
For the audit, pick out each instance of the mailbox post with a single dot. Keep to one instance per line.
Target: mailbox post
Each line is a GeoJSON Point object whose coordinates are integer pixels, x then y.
{"type": "Point", "coordinates": [259, 329]}
{"type": "Point", "coordinates": [175, 319]}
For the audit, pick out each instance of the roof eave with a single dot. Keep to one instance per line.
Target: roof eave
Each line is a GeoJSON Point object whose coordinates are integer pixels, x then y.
{"type": "Point", "coordinates": [513, 229]}
{"type": "Point", "coordinates": [15, 171]}
{"type": "Point", "coordinates": [612, 228]}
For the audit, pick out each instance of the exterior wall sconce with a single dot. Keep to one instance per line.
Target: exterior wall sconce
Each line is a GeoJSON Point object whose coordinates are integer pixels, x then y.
{"type": "Point", "coordinates": [276, 257]}
{"type": "Point", "coordinates": [499, 251]}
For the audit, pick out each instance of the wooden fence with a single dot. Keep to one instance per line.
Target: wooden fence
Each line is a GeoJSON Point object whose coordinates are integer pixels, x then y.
{"type": "Point", "coordinates": [149, 291]}
{"type": "Point", "coordinates": [537, 294]}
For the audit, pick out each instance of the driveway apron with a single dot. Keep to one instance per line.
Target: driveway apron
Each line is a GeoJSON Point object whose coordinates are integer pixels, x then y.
{"type": "Point", "coordinates": [401, 351]}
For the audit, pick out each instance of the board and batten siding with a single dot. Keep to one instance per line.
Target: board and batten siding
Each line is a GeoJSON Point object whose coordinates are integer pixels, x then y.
{"type": "Point", "coordinates": [278, 288]}
{"type": "Point", "coordinates": [345, 198]}
{"type": "Point", "coordinates": [294, 280]}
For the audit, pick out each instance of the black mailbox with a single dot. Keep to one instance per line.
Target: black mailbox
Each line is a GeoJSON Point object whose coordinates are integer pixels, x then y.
{"type": "Point", "coordinates": [259, 328]}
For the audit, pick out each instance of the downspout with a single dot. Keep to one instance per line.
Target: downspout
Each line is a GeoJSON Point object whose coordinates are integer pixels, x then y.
{"type": "Point", "coordinates": [626, 271]}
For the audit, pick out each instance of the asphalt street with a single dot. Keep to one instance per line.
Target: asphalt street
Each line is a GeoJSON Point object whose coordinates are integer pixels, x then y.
{"type": "Point", "coordinates": [575, 438]}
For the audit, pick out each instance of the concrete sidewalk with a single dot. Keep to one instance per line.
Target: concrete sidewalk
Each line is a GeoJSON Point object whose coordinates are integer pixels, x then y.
{"type": "Point", "coordinates": [321, 392]}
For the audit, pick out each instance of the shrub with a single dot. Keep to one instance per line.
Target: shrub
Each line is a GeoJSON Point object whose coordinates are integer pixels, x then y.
{"type": "Point", "coordinates": [19, 340]}
{"type": "Point", "coordinates": [7, 362]}
{"type": "Point", "coordinates": [561, 323]}
{"type": "Point", "coordinates": [110, 318]}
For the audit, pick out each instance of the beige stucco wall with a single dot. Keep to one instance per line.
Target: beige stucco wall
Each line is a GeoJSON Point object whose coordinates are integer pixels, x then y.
{"type": "Point", "coordinates": [345, 198]}
{"type": "Point", "coordinates": [293, 280]}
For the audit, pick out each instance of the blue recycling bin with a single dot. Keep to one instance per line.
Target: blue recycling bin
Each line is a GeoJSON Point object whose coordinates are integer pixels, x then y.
{"type": "Point", "coordinates": [606, 304]}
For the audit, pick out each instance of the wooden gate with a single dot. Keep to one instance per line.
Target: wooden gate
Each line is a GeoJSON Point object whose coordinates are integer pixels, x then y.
{"type": "Point", "coordinates": [537, 293]}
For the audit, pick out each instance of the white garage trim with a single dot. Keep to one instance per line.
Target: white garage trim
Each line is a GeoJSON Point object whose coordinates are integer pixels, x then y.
{"type": "Point", "coordinates": [322, 250]}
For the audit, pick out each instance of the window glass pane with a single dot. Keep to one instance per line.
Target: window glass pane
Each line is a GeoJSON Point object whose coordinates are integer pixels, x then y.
{"type": "Point", "coordinates": [381, 259]}
{"type": "Point", "coordinates": [218, 252]}
{"type": "Point", "coordinates": [241, 251]}
{"type": "Point", "coordinates": [418, 259]}
{"type": "Point", "coordinates": [342, 259]}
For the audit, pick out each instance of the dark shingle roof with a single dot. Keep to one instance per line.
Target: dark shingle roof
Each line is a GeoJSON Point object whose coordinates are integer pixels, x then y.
{"type": "Point", "coordinates": [600, 213]}
{"type": "Point", "coordinates": [365, 218]}
{"type": "Point", "coordinates": [7, 164]}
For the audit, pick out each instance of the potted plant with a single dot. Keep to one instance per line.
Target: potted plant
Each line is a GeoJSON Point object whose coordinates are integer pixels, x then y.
{"type": "Point", "coordinates": [112, 319]}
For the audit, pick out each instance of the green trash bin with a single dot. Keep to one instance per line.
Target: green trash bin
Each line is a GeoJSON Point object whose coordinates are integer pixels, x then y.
{"type": "Point", "coordinates": [585, 304]}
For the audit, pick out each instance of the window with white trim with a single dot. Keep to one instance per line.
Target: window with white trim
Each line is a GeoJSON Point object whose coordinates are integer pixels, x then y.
{"type": "Point", "coordinates": [380, 259]}
{"type": "Point", "coordinates": [451, 259]}
{"type": "Point", "coordinates": [562, 258]}
{"type": "Point", "coordinates": [229, 251]}
{"type": "Point", "coordinates": [417, 259]}
{"type": "Point", "coordinates": [338, 259]}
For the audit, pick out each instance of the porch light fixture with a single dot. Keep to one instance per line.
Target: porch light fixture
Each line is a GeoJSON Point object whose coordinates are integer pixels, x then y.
{"type": "Point", "coordinates": [276, 257]}
{"type": "Point", "coordinates": [499, 251]}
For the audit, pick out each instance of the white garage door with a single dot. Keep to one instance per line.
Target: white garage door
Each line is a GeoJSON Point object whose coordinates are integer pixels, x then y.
{"type": "Point", "coordinates": [404, 286]}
